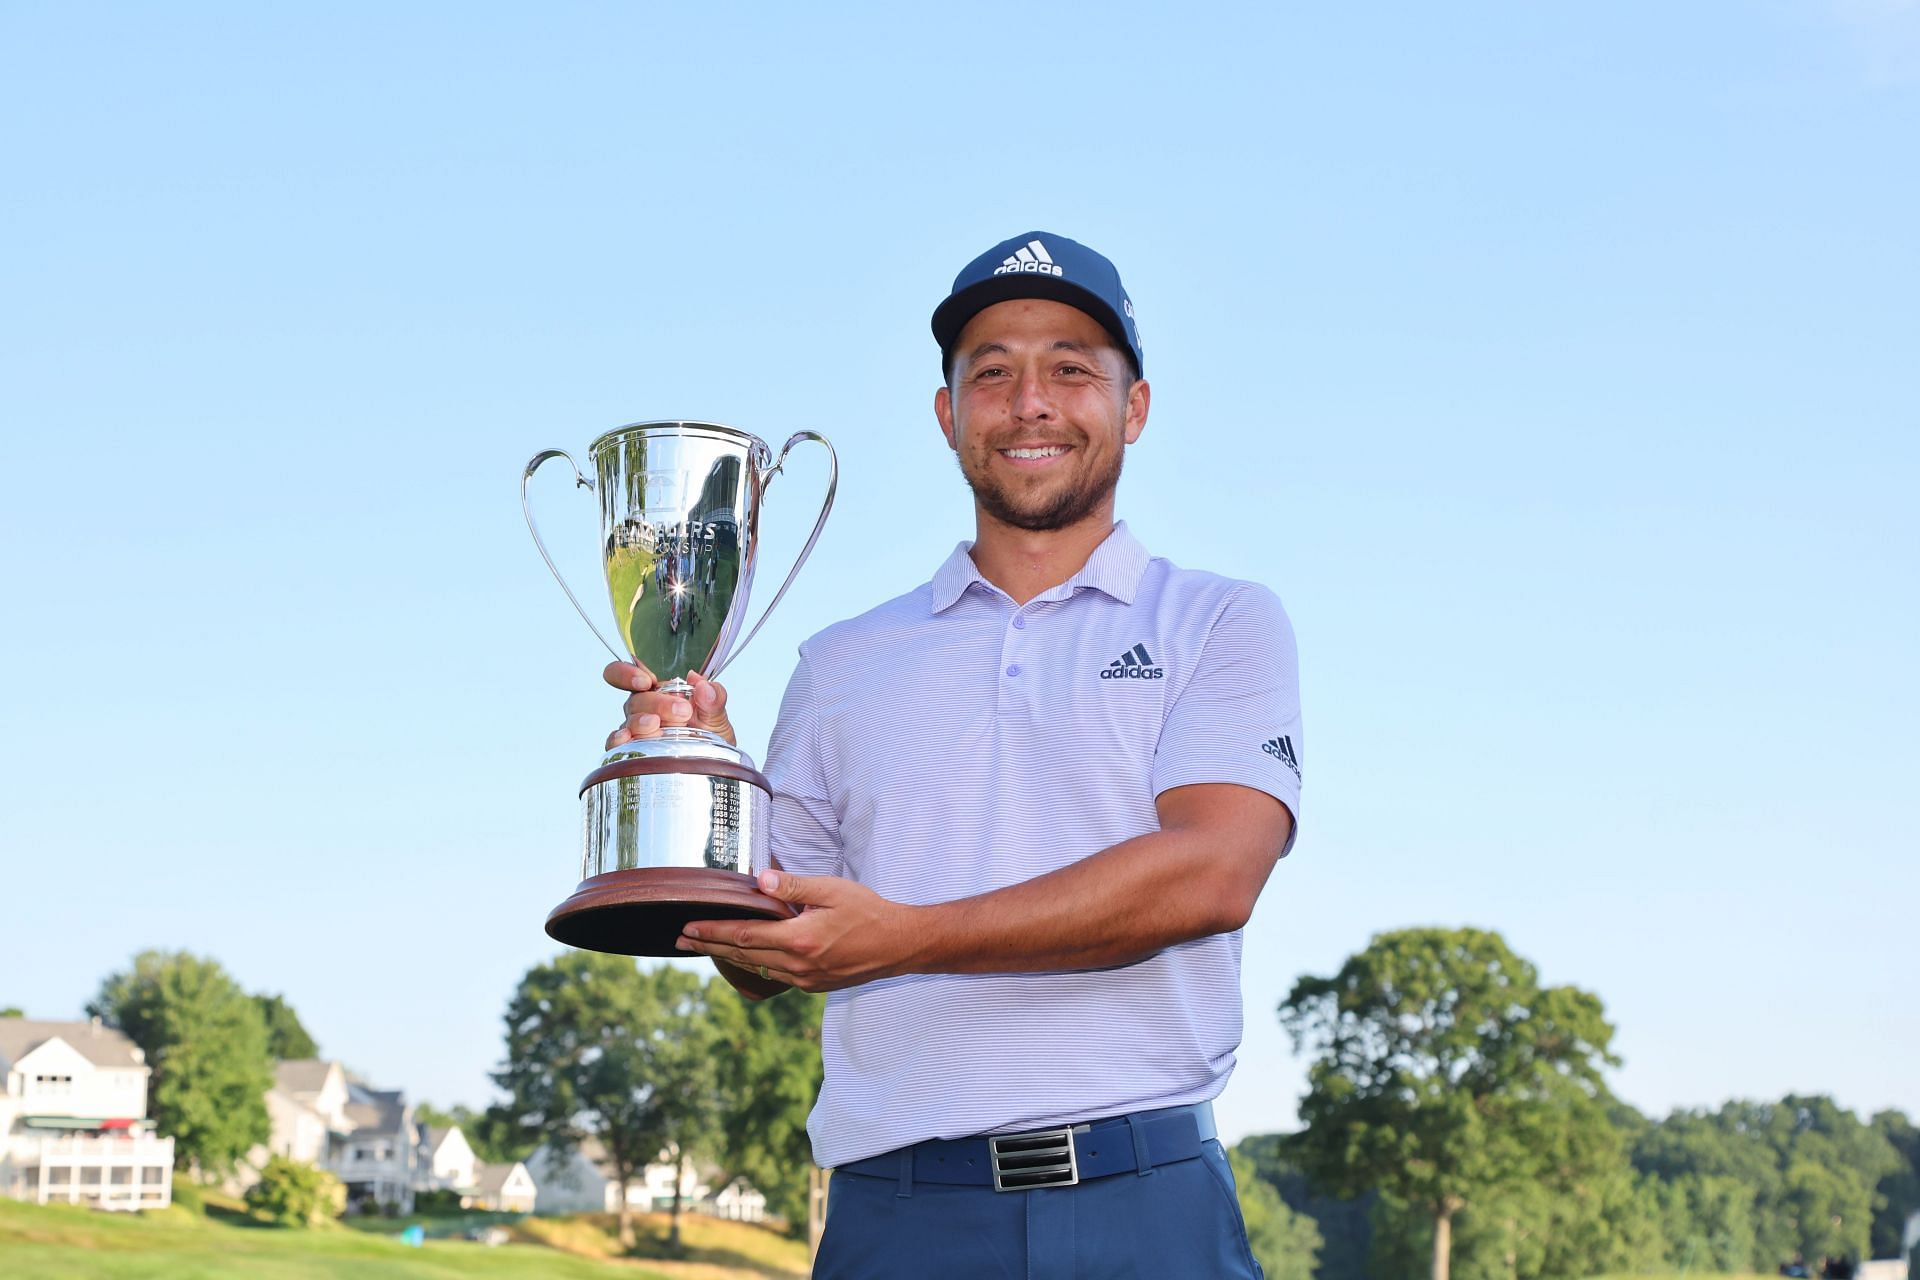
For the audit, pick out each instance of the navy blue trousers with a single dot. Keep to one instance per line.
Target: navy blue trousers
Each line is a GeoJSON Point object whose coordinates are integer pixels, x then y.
{"type": "Point", "coordinates": [1177, 1221]}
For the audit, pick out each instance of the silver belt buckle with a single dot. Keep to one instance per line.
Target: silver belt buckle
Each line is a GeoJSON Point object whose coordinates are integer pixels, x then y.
{"type": "Point", "coordinates": [1043, 1158]}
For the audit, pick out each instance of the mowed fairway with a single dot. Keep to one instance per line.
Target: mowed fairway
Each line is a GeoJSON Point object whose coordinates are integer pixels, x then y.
{"type": "Point", "coordinates": [58, 1242]}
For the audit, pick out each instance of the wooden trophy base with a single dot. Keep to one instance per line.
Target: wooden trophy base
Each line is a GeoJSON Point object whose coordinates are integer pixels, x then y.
{"type": "Point", "coordinates": [640, 912]}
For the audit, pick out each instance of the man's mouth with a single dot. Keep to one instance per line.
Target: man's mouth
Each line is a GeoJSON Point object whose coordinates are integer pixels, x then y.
{"type": "Point", "coordinates": [1035, 454]}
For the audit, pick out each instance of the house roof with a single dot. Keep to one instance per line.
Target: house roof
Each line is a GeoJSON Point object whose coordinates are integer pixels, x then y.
{"type": "Point", "coordinates": [492, 1178]}
{"type": "Point", "coordinates": [301, 1075]}
{"type": "Point", "coordinates": [100, 1045]}
{"type": "Point", "coordinates": [432, 1135]}
{"type": "Point", "coordinates": [375, 1110]}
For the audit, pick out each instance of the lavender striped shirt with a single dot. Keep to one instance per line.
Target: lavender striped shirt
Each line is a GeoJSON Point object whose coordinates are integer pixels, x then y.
{"type": "Point", "coordinates": [948, 743]}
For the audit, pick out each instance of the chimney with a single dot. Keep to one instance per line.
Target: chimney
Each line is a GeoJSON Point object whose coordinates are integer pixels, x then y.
{"type": "Point", "coordinates": [96, 1024]}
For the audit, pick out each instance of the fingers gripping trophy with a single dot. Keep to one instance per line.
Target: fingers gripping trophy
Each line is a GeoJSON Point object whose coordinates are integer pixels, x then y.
{"type": "Point", "coordinates": [674, 826]}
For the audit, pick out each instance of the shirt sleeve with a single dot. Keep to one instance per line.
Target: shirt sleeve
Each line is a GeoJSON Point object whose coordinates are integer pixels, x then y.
{"type": "Point", "coordinates": [805, 831]}
{"type": "Point", "coordinates": [1238, 718]}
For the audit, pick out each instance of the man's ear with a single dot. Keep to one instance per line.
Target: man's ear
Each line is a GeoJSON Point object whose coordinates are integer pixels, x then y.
{"type": "Point", "coordinates": [943, 410]}
{"type": "Point", "coordinates": [1139, 397]}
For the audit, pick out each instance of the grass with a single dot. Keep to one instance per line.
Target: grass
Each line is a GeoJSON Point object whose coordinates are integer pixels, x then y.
{"type": "Point", "coordinates": [62, 1242]}
{"type": "Point", "coordinates": [708, 1246]}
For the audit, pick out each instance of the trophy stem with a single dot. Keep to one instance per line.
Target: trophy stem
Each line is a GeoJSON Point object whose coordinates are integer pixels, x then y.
{"type": "Point", "coordinates": [678, 687]}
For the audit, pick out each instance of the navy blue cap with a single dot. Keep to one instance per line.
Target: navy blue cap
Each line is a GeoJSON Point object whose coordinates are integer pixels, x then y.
{"type": "Point", "coordinates": [1040, 264]}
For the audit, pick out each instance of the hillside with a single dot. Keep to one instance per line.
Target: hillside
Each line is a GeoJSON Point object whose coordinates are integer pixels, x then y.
{"type": "Point", "coordinates": [58, 1242]}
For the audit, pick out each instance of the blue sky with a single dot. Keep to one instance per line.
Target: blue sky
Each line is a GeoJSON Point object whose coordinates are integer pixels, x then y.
{"type": "Point", "coordinates": [1554, 364]}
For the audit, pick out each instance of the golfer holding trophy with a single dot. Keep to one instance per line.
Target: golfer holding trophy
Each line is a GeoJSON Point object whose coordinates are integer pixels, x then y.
{"type": "Point", "coordinates": [1025, 809]}
{"type": "Point", "coordinates": [676, 825]}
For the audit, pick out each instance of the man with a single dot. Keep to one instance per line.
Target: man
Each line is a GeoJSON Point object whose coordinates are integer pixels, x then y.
{"type": "Point", "coordinates": [1026, 809]}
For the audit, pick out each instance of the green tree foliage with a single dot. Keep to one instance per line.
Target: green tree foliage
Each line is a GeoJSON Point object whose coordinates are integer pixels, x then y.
{"type": "Point", "coordinates": [12, 1011]}
{"type": "Point", "coordinates": [1899, 1189]}
{"type": "Point", "coordinates": [1810, 1168]}
{"type": "Point", "coordinates": [1286, 1244]}
{"type": "Point", "coordinates": [1446, 1077]}
{"type": "Point", "coordinates": [286, 1038]}
{"type": "Point", "coordinates": [599, 1048]}
{"type": "Point", "coordinates": [207, 1045]}
{"type": "Point", "coordinates": [1345, 1226]}
{"type": "Point", "coordinates": [1709, 1222]}
{"type": "Point", "coordinates": [294, 1193]}
{"type": "Point", "coordinates": [769, 1059]}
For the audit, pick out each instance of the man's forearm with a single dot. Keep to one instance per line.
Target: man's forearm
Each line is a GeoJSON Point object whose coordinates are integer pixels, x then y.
{"type": "Point", "coordinates": [1116, 907]}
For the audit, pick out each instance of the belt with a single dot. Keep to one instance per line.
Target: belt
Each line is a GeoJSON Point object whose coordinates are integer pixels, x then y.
{"type": "Point", "coordinates": [1058, 1157]}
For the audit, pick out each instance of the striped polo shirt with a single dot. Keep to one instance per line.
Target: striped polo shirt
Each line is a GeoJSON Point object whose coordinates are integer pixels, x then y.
{"type": "Point", "coordinates": [951, 742]}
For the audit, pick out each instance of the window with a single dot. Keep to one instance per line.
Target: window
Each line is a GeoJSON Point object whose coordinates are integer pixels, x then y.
{"type": "Point", "coordinates": [53, 1086]}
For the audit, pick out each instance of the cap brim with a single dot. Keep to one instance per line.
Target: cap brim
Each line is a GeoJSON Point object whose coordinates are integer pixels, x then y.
{"type": "Point", "coordinates": [951, 316]}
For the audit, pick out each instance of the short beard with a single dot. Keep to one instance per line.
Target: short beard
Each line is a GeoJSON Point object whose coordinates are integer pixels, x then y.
{"type": "Point", "coordinates": [1069, 507]}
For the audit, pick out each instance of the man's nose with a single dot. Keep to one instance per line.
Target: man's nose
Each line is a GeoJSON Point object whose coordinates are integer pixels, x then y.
{"type": "Point", "coordinates": [1032, 399]}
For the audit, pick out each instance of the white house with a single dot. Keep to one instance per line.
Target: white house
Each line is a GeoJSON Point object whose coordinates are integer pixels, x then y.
{"type": "Point", "coordinates": [73, 1118]}
{"type": "Point", "coordinates": [446, 1161]}
{"type": "Point", "coordinates": [581, 1181]}
{"type": "Point", "coordinates": [738, 1201]}
{"type": "Point", "coordinates": [321, 1113]}
{"type": "Point", "coordinates": [505, 1188]}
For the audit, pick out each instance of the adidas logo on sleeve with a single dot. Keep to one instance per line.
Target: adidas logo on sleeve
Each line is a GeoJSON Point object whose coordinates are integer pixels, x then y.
{"type": "Point", "coordinates": [1031, 260]}
{"type": "Point", "coordinates": [1281, 749]}
{"type": "Point", "coordinates": [1134, 664]}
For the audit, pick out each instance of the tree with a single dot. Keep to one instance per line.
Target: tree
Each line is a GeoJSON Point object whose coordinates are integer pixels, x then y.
{"type": "Point", "coordinates": [295, 1194]}
{"type": "Point", "coordinates": [1345, 1226]}
{"type": "Point", "coordinates": [1285, 1243]}
{"type": "Point", "coordinates": [206, 1042]}
{"type": "Point", "coordinates": [1811, 1170]}
{"type": "Point", "coordinates": [1709, 1223]}
{"type": "Point", "coordinates": [1899, 1189]}
{"type": "Point", "coordinates": [286, 1038]}
{"type": "Point", "coordinates": [12, 1011]}
{"type": "Point", "coordinates": [1446, 1075]}
{"type": "Point", "coordinates": [769, 1058]}
{"type": "Point", "coordinates": [597, 1048]}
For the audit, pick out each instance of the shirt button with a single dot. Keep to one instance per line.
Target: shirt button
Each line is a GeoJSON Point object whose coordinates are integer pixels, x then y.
{"type": "Point", "coordinates": [1014, 670]}
{"type": "Point", "coordinates": [1019, 623]}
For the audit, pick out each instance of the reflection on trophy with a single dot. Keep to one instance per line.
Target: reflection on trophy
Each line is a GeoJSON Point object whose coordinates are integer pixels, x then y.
{"type": "Point", "coordinates": [675, 826]}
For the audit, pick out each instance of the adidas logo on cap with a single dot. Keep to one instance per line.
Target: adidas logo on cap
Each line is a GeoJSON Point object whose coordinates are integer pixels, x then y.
{"type": "Point", "coordinates": [1134, 664]}
{"type": "Point", "coordinates": [1033, 259]}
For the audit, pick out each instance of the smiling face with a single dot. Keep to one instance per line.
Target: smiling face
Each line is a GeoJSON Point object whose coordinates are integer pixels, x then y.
{"type": "Point", "coordinates": [1040, 408]}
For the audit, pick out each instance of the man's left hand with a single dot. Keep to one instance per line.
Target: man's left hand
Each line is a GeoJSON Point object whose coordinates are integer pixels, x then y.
{"type": "Point", "coordinates": [845, 934]}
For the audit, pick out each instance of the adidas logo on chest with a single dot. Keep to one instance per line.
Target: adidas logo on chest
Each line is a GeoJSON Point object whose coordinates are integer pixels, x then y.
{"type": "Point", "coordinates": [1134, 664]}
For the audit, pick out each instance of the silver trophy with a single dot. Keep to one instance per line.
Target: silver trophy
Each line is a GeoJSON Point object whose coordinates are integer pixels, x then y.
{"type": "Point", "coordinates": [675, 826]}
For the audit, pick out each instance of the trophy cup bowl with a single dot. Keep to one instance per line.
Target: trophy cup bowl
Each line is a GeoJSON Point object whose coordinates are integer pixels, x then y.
{"type": "Point", "coordinates": [674, 827]}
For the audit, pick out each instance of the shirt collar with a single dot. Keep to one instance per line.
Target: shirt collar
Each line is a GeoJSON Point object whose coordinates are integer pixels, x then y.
{"type": "Point", "coordinates": [1115, 567]}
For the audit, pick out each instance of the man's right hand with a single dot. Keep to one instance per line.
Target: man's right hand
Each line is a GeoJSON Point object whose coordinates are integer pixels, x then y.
{"type": "Point", "coordinates": [648, 710]}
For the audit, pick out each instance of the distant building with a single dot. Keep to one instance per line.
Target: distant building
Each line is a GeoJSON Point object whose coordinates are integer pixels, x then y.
{"type": "Point", "coordinates": [505, 1188]}
{"type": "Point", "coordinates": [73, 1118]}
{"type": "Point", "coordinates": [582, 1181]}
{"type": "Point", "coordinates": [447, 1162]}
{"type": "Point", "coordinates": [323, 1114]}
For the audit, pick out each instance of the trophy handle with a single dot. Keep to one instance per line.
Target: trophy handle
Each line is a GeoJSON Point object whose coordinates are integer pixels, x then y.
{"type": "Point", "coordinates": [527, 508]}
{"type": "Point", "coordinates": [833, 483]}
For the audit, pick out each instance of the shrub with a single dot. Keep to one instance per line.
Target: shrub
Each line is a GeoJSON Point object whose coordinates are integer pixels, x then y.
{"type": "Point", "coordinates": [437, 1203]}
{"type": "Point", "coordinates": [190, 1196]}
{"type": "Point", "coordinates": [296, 1194]}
